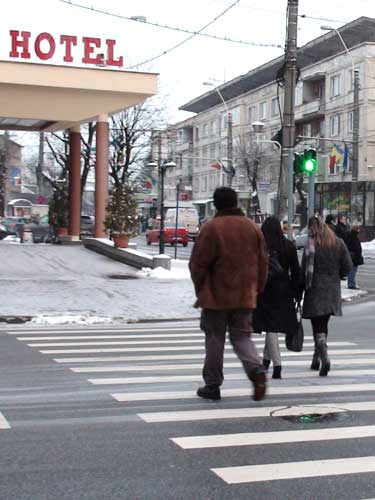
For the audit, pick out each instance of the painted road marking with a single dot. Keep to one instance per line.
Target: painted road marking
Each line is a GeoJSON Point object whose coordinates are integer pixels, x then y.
{"type": "Point", "coordinates": [277, 391]}
{"type": "Point", "coordinates": [38, 331]}
{"type": "Point", "coordinates": [278, 437]}
{"type": "Point", "coordinates": [228, 355]}
{"type": "Point", "coordinates": [148, 349]}
{"type": "Point", "coordinates": [120, 342]}
{"type": "Point", "coordinates": [294, 470]}
{"type": "Point", "coordinates": [4, 424]}
{"type": "Point", "coordinates": [101, 337]}
{"type": "Point", "coordinates": [266, 411]}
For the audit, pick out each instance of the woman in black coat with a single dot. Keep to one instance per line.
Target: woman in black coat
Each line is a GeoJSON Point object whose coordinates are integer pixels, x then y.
{"type": "Point", "coordinates": [355, 249]}
{"type": "Point", "coordinates": [275, 312]}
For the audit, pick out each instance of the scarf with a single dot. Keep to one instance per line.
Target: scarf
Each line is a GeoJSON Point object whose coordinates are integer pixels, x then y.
{"type": "Point", "coordinates": [309, 268]}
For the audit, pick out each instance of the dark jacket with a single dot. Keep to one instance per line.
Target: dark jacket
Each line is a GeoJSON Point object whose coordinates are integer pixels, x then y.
{"type": "Point", "coordinates": [341, 230]}
{"type": "Point", "coordinates": [229, 262]}
{"type": "Point", "coordinates": [355, 248]}
{"type": "Point", "coordinates": [330, 266]}
{"type": "Point", "coordinates": [275, 310]}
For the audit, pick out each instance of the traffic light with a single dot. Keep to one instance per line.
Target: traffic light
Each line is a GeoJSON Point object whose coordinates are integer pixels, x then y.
{"type": "Point", "coordinates": [309, 161]}
{"type": "Point", "coordinates": [298, 163]}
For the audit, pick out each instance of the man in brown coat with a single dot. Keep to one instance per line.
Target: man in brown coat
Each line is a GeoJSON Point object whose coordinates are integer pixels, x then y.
{"type": "Point", "coordinates": [228, 267]}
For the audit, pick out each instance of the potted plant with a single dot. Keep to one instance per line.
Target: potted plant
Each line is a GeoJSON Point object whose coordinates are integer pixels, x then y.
{"type": "Point", "coordinates": [58, 214]}
{"type": "Point", "coordinates": [122, 218]}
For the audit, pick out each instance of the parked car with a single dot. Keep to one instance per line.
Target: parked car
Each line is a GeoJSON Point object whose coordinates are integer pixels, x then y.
{"type": "Point", "coordinates": [170, 236]}
{"type": "Point", "coordinates": [87, 225]}
{"type": "Point", "coordinates": [41, 231]}
{"type": "Point", "coordinates": [3, 232]}
{"type": "Point", "coordinates": [301, 239]}
{"type": "Point", "coordinates": [14, 225]}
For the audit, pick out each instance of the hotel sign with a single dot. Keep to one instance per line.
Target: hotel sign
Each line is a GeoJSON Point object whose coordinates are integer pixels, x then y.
{"type": "Point", "coordinates": [83, 50]}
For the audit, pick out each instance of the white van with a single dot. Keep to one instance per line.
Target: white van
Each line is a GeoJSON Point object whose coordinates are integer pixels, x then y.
{"type": "Point", "coordinates": [187, 217]}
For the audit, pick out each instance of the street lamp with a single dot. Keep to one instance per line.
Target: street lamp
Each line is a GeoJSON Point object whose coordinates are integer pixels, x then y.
{"type": "Point", "coordinates": [356, 85]}
{"type": "Point", "coordinates": [230, 169]}
{"type": "Point", "coordinates": [161, 170]}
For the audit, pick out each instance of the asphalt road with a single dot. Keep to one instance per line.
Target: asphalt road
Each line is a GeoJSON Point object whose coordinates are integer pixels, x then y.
{"type": "Point", "coordinates": [93, 416]}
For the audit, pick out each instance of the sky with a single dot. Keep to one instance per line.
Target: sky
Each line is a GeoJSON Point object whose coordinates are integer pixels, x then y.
{"type": "Point", "coordinates": [182, 70]}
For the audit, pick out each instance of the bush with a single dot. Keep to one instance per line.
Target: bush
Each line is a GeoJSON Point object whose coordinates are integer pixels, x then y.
{"type": "Point", "coordinates": [122, 214]}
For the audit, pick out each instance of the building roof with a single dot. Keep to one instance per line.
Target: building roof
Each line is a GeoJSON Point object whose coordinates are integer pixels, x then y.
{"type": "Point", "coordinates": [354, 33]}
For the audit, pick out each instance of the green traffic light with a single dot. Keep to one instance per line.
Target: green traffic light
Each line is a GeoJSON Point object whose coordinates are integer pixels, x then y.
{"type": "Point", "coordinates": [310, 165]}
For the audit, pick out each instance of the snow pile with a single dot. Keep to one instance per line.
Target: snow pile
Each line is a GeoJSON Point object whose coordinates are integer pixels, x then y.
{"type": "Point", "coordinates": [11, 239]}
{"type": "Point", "coordinates": [179, 271]}
{"type": "Point", "coordinates": [368, 249]}
{"type": "Point", "coordinates": [63, 319]}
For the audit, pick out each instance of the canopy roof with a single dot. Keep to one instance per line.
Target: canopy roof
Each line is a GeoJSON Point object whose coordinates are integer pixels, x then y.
{"type": "Point", "coordinates": [49, 97]}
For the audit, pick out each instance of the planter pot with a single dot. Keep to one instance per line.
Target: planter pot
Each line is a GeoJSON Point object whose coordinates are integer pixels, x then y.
{"type": "Point", "coordinates": [121, 240]}
{"type": "Point", "coordinates": [62, 231]}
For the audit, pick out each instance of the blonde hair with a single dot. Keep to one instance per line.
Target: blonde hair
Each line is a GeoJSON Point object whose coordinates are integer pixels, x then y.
{"type": "Point", "coordinates": [321, 233]}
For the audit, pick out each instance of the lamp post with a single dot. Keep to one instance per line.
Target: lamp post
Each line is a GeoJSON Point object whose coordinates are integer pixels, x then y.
{"type": "Point", "coordinates": [162, 169]}
{"type": "Point", "coordinates": [230, 170]}
{"type": "Point", "coordinates": [356, 86]}
{"type": "Point", "coordinates": [178, 187]}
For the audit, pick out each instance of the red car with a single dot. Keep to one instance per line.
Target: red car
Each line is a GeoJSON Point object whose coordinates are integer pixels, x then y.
{"type": "Point", "coordinates": [170, 236]}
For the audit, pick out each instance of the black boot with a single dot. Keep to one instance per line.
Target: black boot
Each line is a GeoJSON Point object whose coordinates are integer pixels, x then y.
{"type": "Point", "coordinates": [323, 354]}
{"type": "Point", "coordinates": [266, 363]}
{"type": "Point", "coordinates": [276, 372]}
{"type": "Point", "coordinates": [209, 392]}
{"type": "Point", "coordinates": [315, 363]}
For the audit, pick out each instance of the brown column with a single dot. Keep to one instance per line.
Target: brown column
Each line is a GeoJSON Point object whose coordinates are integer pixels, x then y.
{"type": "Point", "coordinates": [101, 175]}
{"type": "Point", "coordinates": [75, 183]}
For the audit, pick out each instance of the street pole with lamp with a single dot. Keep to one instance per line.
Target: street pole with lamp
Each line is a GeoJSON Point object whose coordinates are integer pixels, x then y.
{"type": "Point", "coordinates": [230, 170]}
{"type": "Point", "coordinates": [178, 187]}
{"type": "Point", "coordinates": [162, 169]}
{"type": "Point", "coordinates": [356, 87]}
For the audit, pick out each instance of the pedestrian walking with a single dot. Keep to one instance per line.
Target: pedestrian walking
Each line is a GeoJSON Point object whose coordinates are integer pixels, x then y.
{"type": "Point", "coordinates": [342, 228]}
{"type": "Point", "coordinates": [325, 262]}
{"type": "Point", "coordinates": [276, 308]}
{"type": "Point", "coordinates": [228, 267]}
{"type": "Point", "coordinates": [355, 249]}
{"type": "Point", "coordinates": [330, 221]}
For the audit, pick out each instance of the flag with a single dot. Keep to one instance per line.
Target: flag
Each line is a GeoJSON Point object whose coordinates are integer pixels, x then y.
{"type": "Point", "coordinates": [216, 165]}
{"type": "Point", "coordinates": [336, 155]}
{"type": "Point", "coordinates": [345, 162]}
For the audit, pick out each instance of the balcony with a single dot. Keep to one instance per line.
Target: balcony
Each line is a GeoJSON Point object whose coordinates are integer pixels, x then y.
{"type": "Point", "coordinates": [311, 109]}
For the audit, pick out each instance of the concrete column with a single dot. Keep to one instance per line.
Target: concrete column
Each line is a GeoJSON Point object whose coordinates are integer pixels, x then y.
{"type": "Point", "coordinates": [101, 174]}
{"type": "Point", "coordinates": [75, 182]}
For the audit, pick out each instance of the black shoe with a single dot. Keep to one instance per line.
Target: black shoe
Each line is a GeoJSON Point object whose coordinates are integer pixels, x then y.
{"type": "Point", "coordinates": [353, 288]}
{"type": "Point", "coordinates": [209, 392]}
{"type": "Point", "coordinates": [325, 369]}
{"type": "Point", "coordinates": [266, 363]}
{"type": "Point", "coordinates": [258, 378]}
{"type": "Point", "coordinates": [315, 364]}
{"type": "Point", "coordinates": [276, 372]}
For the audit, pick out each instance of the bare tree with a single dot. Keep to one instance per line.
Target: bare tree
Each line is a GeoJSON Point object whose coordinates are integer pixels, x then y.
{"type": "Point", "coordinates": [250, 160]}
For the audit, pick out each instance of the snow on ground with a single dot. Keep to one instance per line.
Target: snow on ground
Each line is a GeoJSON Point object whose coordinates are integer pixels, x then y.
{"type": "Point", "coordinates": [368, 249]}
{"type": "Point", "coordinates": [57, 284]}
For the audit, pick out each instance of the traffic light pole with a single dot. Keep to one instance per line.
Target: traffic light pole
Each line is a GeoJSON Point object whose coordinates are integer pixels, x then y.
{"type": "Point", "coordinates": [311, 195]}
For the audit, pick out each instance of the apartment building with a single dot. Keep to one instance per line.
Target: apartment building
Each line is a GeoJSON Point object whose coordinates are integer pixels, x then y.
{"type": "Point", "coordinates": [323, 118]}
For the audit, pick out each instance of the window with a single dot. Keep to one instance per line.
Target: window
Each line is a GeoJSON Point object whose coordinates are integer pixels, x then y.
{"type": "Point", "coordinates": [350, 121]}
{"type": "Point", "coordinates": [196, 184]}
{"type": "Point", "coordinates": [224, 120]}
{"type": "Point", "coordinates": [335, 85]}
{"type": "Point", "coordinates": [212, 182]}
{"type": "Point", "coordinates": [351, 80]}
{"type": "Point", "coordinates": [263, 110]}
{"type": "Point", "coordinates": [204, 183]}
{"type": "Point", "coordinates": [235, 115]}
{"type": "Point", "coordinates": [212, 154]}
{"type": "Point", "coordinates": [274, 107]}
{"type": "Point", "coordinates": [335, 125]}
{"type": "Point", "coordinates": [306, 130]}
{"type": "Point", "coordinates": [299, 94]}
{"type": "Point", "coordinates": [252, 115]}
{"type": "Point", "coordinates": [197, 133]}
{"type": "Point", "coordinates": [213, 127]}
{"type": "Point", "coordinates": [205, 130]}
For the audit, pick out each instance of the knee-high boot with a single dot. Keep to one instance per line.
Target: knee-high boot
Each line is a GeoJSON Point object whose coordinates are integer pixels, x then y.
{"type": "Point", "coordinates": [321, 344]}
{"type": "Point", "coordinates": [315, 363]}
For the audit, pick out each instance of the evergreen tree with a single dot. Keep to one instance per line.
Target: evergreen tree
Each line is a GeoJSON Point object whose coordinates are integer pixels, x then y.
{"type": "Point", "coordinates": [122, 216]}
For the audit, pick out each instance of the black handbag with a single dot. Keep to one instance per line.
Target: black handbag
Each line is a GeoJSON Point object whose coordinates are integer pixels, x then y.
{"type": "Point", "coordinates": [294, 340]}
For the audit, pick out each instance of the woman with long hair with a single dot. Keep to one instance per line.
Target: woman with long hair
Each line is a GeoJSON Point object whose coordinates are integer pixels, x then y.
{"type": "Point", "coordinates": [325, 262]}
{"type": "Point", "coordinates": [275, 312]}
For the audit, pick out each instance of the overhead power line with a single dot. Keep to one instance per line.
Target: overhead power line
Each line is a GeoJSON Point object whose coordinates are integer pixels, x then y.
{"type": "Point", "coordinates": [141, 19]}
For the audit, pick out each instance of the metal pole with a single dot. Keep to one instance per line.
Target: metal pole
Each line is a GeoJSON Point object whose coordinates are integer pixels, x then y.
{"type": "Point", "coordinates": [230, 147]}
{"type": "Point", "coordinates": [354, 186]}
{"type": "Point", "coordinates": [161, 235]}
{"type": "Point", "coordinates": [288, 126]}
{"type": "Point", "coordinates": [159, 180]}
{"type": "Point", "coordinates": [311, 201]}
{"type": "Point", "coordinates": [177, 205]}
{"type": "Point", "coordinates": [290, 193]}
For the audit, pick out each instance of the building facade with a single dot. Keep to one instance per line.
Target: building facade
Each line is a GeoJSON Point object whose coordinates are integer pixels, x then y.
{"type": "Point", "coordinates": [323, 118]}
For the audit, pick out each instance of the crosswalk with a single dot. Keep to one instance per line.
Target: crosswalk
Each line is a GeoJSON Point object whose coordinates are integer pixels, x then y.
{"type": "Point", "coordinates": [157, 376]}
